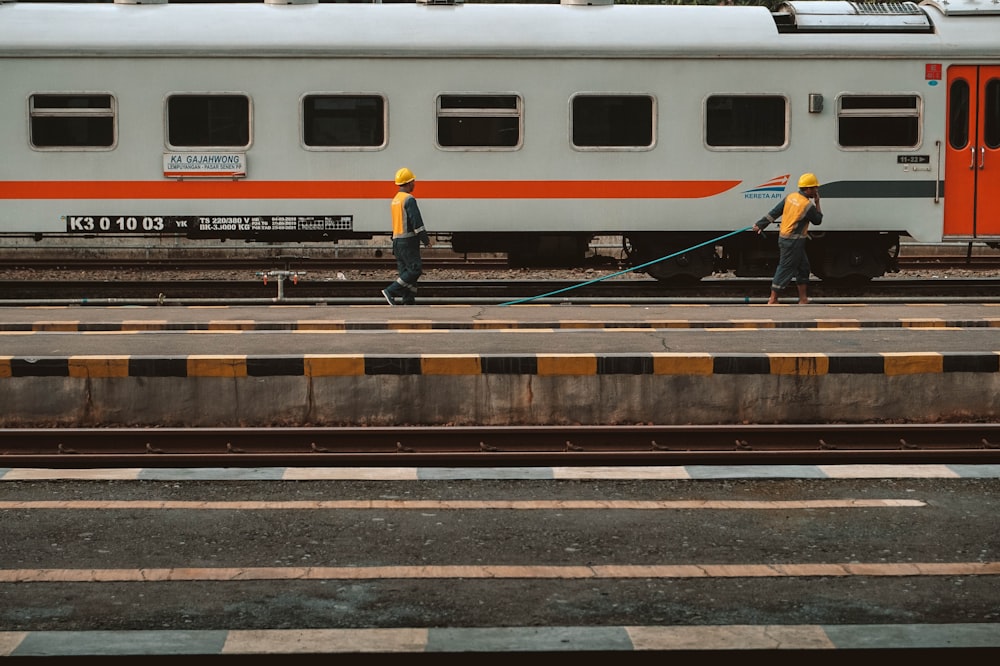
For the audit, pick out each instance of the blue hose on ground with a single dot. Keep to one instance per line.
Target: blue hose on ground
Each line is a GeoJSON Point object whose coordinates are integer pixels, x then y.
{"type": "Point", "coordinates": [629, 270]}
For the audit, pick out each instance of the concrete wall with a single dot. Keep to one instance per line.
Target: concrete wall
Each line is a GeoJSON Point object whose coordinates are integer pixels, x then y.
{"type": "Point", "coordinates": [554, 389]}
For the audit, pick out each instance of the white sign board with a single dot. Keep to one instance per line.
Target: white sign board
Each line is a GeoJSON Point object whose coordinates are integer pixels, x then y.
{"type": "Point", "coordinates": [204, 165]}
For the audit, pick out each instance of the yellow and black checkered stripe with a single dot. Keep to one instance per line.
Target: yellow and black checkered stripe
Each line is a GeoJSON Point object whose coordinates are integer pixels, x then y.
{"type": "Point", "coordinates": [654, 363]}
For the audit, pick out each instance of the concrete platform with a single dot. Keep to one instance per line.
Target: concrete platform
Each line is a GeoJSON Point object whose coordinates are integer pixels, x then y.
{"type": "Point", "coordinates": [539, 562]}
{"type": "Point", "coordinates": [496, 365]}
{"type": "Point", "coordinates": [692, 641]}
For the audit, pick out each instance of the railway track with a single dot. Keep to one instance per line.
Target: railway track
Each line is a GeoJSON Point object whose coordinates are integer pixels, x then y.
{"type": "Point", "coordinates": [959, 443]}
{"type": "Point", "coordinates": [245, 263]}
{"type": "Point", "coordinates": [15, 261]}
{"type": "Point", "coordinates": [282, 288]}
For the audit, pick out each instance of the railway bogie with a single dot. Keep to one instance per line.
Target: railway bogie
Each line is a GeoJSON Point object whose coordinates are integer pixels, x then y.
{"type": "Point", "coordinates": [531, 128]}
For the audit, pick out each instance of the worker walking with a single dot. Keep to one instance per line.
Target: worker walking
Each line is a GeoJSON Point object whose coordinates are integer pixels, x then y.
{"type": "Point", "coordinates": [408, 233]}
{"type": "Point", "coordinates": [797, 211]}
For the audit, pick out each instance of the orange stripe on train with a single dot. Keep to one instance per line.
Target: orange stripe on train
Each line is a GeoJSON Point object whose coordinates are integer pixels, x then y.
{"type": "Point", "coordinates": [365, 189]}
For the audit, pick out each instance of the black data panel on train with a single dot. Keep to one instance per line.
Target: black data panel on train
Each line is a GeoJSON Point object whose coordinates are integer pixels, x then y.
{"type": "Point", "coordinates": [294, 227]}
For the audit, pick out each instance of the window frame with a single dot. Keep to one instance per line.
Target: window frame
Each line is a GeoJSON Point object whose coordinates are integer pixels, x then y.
{"type": "Point", "coordinates": [786, 123]}
{"type": "Point", "coordinates": [110, 111]}
{"type": "Point", "coordinates": [182, 148]}
{"type": "Point", "coordinates": [653, 117]}
{"type": "Point", "coordinates": [917, 112]}
{"type": "Point", "coordinates": [344, 148]}
{"type": "Point", "coordinates": [479, 112]}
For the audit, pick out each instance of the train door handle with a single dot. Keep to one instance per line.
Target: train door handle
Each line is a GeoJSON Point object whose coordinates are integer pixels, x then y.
{"type": "Point", "coordinates": [972, 164]}
{"type": "Point", "coordinates": [982, 157]}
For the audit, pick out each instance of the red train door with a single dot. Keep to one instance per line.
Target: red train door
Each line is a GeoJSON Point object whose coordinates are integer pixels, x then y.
{"type": "Point", "coordinates": [972, 157]}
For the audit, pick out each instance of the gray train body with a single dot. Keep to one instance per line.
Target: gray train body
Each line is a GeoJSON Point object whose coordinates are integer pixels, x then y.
{"type": "Point", "coordinates": [531, 128]}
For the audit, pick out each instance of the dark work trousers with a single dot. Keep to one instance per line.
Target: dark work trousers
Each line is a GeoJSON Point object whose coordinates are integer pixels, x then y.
{"type": "Point", "coordinates": [793, 263]}
{"type": "Point", "coordinates": [410, 268]}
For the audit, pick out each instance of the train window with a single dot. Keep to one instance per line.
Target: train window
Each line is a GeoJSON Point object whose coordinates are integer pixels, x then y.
{"type": "Point", "coordinates": [208, 120]}
{"type": "Point", "coordinates": [612, 121]}
{"type": "Point", "coordinates": [78, 121]}
{"type": "Point", "coordinates": [343, 121]}
{"type": "Point", "coordinates": [878, 121]}
{"type": "Point", "coordinates": [746, 121]}
{"type": "Point", "coordinates": [958, 121]}
{"type": "Point", "coordinates": [991, 124]}
{"type": "Point", "coordinates": [479, 121]}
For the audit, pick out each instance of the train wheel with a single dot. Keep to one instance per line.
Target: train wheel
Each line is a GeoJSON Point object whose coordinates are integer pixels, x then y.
{"type": "Point", "coordinates": [851, 259]}
{"type": "Point", "coordinates": [685, 269]}
{"type": "Point", "coordinates": [660, 252]}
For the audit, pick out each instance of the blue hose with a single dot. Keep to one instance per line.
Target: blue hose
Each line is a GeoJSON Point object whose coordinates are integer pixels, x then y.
{"type": "Point", "coordinates": [629, 270]}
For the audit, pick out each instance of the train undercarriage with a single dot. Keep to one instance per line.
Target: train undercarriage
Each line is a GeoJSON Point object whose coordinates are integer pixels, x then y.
{"type": "Point", "coordinates": [842, 257]}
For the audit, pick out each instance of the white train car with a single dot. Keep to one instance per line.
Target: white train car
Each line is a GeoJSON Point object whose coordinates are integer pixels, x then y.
{"type": "Point", "coordinates": [531, 128]}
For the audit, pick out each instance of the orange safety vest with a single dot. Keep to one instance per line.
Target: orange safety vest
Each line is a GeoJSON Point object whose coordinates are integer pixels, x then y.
{"type": "Point", "coordinates": [399, 216]}
{"type": "Point", "coordinates": [793, 222]}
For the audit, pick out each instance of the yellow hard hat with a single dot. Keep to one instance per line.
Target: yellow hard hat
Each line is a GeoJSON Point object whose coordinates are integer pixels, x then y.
{"type": "Point", "coordinates": [805, 180]}
{"type": "Point", "coordinates": [404, 176]}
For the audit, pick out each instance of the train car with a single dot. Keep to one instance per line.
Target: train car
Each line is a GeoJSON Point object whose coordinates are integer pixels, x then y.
{"type": "Point", "coordinates": [532, 129]}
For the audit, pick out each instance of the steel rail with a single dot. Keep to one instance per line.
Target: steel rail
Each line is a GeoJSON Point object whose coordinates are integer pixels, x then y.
{"type": "Point", "coordinates": [220, 264]}
{"type": "Point", "coordinates": [355, 259]}
{"type": "Point", "coordinates": [832, 444]}
{"type": "Point", "coordinates": [304, 264]}
{"type": "Point", "coordinates": [347, 292]}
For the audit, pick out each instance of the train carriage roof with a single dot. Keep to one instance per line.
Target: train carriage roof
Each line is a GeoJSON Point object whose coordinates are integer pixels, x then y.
{"type": "Point", "coordinates": [967, 28]}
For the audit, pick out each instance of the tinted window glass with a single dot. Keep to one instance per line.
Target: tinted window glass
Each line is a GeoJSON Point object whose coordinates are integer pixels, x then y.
{"type": "Point", "coordinates": [479, 121]}
{"type": "Point", "coordinates": [991, 109]}
{"type": "Point", "coordinates": [612, 120]}
{"type": "Point", "coordinates": [72, 121]}
{"type": "Point", "coordinates": [745, 121]}
{"type": "Point", "coordinates": [208, 120]}
{"type": "Point", "coordinates": [958, 121]}
{"type": "Point", "coordinates": [343, 120]}
{"type": "Point", "coordinates": [878, 121]}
